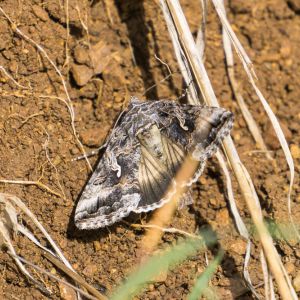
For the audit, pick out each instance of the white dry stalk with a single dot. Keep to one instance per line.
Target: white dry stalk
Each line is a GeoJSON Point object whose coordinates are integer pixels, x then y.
{"type": "Point", "coordinates": [25, 210]}
{"type": "Point", "coordinates": [253, 128]}
{"type": "Point", "coordinates": [8, 226]}
{"type": "Point", "coordinates": [45, 146]}
{"type": "Point", "coordinates": [83, 293]}
{"type": "Point", "coordinates": [270, 251]}
{"type": "Point", "coordinates": [13, 225]}
{"type": "Point", "coordinates": [68, 102]}
{"type": "Point", "coordinates": [242, 229]}
{"type": "Point", "coordinates": [238, 220]}
{"type": "Point", "coordinates": [183, 39]}
{"type": "Point", "coordinates": [268, 282]}
{"type": "Point", "coordinates": [11, 78]}
{"type": "Point", "coordinates": [201, 35]}
{"type": "Point", "coordinates": [252, 77]}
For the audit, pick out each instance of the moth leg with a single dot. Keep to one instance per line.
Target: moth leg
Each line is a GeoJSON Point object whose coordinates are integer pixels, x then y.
{"type": "Point", "coordinates": [186, 199]}
{"type": "Point", "coordinates": [181, 119]}
{"type": "Point", "coordinates": [89, 154]}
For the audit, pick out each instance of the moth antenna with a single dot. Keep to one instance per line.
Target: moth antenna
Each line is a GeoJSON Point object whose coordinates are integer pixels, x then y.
{"type": "Point", "coordinates": [185, 91]}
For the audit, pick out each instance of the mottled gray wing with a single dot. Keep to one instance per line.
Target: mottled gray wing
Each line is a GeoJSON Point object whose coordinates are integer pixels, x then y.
{"type": "Point", "coordinates": [160, 160]}
{"type": "Point", "coordinates": [107, 197]}
{"type": "Point", "coordinates": [145, 150]}
{"type": "Point", "coordinates": [154, 178]}
{"type": "Point", "coordinates": [166, 147]}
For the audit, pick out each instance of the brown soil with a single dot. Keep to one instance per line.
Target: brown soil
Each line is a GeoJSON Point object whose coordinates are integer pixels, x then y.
{"type": "Point", "coordinates": [104, 67]}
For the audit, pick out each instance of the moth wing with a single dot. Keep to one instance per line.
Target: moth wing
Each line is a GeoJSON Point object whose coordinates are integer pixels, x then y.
{"type": "Point", "coordinates": [174, 154]}
{"type": "Point", "coordinates": [200, 134]}
{"type": "Point", "coordinates": [154, 179]}
{"type": "Point", "coordinates": [203, 130]}
{"type": "Point", "coordinates": [108, 198]}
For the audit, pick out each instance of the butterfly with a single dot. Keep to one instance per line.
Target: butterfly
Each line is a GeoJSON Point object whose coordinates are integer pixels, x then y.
{"type": "Point", "coordinates": [142, 155]}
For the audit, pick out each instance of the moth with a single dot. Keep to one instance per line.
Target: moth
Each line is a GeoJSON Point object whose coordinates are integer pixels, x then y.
{"type": "Point", "coordinates": [143, 153]}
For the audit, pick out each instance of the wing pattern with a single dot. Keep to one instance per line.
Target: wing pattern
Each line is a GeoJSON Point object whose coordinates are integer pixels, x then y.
{"type": "Point", "coordinates": [144, 151]}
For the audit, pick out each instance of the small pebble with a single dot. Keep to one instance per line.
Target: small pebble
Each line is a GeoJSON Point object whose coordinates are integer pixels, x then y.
{"type": "Point", "coordinates": [296, 282]}
{"type": "Point", "coordinates": [97, 245]}
{"type": "Point", "coordinates": [40, 13]}
{"type": "Point", "coordinates": [295, 151]}
{"type": "Point", "coordinates": [222, 217]}
{"type": "Point", "coordinates": [81, 55]}
{"type": "Point", "coordinates": [90, 270]}
{"type": "Point", "coordinates": [239, 246]}
{"type": "Point", "coordinates": [66, 292]}
{"type": "Point", "coordinates": [81, 74]}
{"type": "Point", "coordinates": [289, 267]}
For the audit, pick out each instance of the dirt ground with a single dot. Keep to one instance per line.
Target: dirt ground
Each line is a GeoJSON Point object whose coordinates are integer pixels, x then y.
{"type": "Point", "coordinates": [106, 52]}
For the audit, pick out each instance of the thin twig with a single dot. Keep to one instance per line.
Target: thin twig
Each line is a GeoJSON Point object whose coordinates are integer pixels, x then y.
{"type": "Point", "coordinates": [176, 18]}
{"type": "Point", "coordinates": [45, 146]}
{"type": "Point", "coordinates": [74, 276]}
{"type": "Point", "coordinates": [12, 79]}
{"type": "Point", "coordinates": [168, 230]}
{"type": "Point", "coordinates": [253, 128]}
{"type": "Point", "coordinates": [30, 182]}
{"type": "Point", "coordinates": [53, 276]}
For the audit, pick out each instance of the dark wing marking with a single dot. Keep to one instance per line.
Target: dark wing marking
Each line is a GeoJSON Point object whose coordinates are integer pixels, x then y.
{"type": "Point", "coordinates": [146, 170]}
{"type": "Point", "coordinates": [108, 198]}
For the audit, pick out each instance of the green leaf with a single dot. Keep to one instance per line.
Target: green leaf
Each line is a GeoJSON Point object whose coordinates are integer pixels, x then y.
{"type": "Point", "coordinates": [203, 280]}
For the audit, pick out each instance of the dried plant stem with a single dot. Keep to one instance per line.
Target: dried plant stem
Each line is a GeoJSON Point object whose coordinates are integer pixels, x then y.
{"type": "Point", "coordinates": [202, 81]}
{"type": "Point", "coordinates": [163, 216]}
{"type": "Point", "coordinates": [53, 277]}
{"type": "Point", "coordinates": [166, 230]}
{"type": "Point", "coordinates": [12, 79]}
{"type": "Point", "coordinates": [37, 183]}
{"type": "Point", "coordinates": [253, 128]}
{"type": "Point", "coordinates": [74, 276]}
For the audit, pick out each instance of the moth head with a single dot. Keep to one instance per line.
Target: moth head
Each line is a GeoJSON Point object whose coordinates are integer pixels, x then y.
{"type": "Point", "coordinates": [211, 126]}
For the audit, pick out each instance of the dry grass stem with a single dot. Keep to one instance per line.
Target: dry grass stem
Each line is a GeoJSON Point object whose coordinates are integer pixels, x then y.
{"type": "Point", "coordinates": [253, 127]}
{"type": "Point", "coordinates": [166, 230]}
{"type": "Point", "coordinates": [247, 64]}
{"type": "Point", "coordinates": [45, 146]}
{"type": "Point", "coordinates": [201, 34]}
{"type": "Point", "coordinates": [242, 229]}
{"type": "Point", "coordinates": [6, 198]}
{"type": "Point", "coordinates": [162, 217]}
{"type": "Point", "coordinates": [174, 15]}
{"type": "Point", "coordinates": [83, 293]}
{"type": "Point", "coordinates": [12, 225]}
{"type": "Point", "coordinates": [77, 278]}
{"type": "Point", "coordinates": [66, 8]}
{"type": "Point", "coordinates": [36, 183]}
{"type": "Point", "coordinates": [12, 79]}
